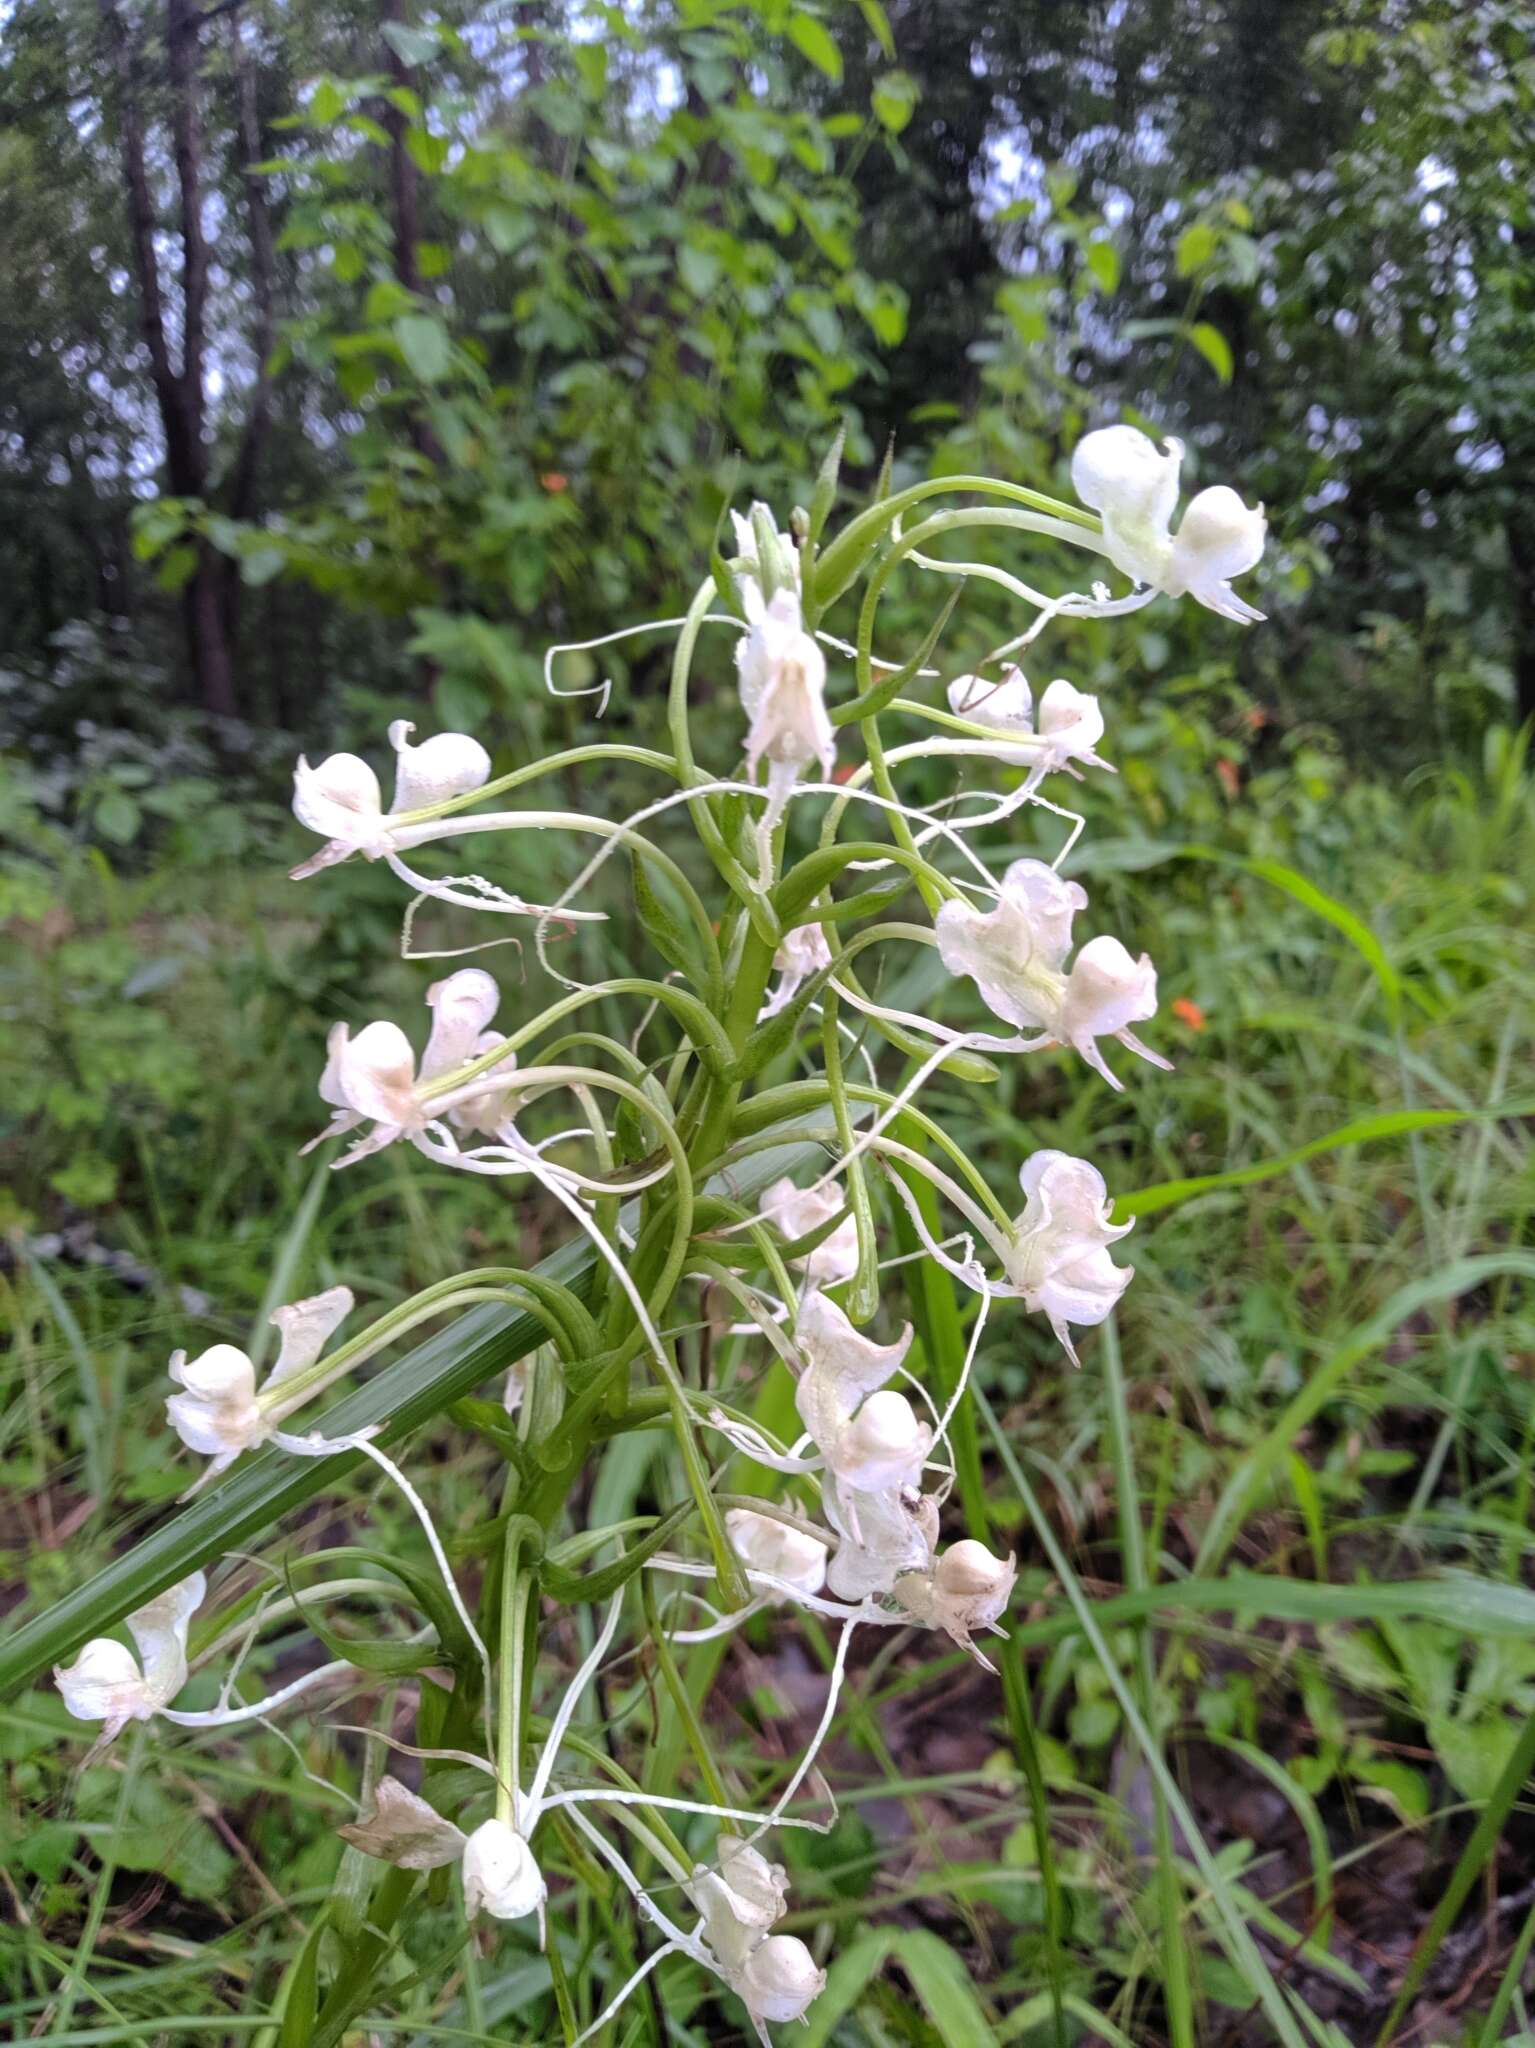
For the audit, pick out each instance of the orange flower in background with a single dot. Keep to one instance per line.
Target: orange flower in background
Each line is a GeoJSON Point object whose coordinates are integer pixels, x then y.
{"type": "Point", "coordinates": [1188, 1013]}
{"type": "Point", "coordinates": [1231, 780]}
{"type": "Point", "coordinates": [846, 772]}
{"type": "Point", "coordinates": [555, 480]}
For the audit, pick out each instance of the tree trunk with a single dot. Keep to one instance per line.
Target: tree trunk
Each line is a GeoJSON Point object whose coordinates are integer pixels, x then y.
{"type": "Point", "coordinates": [180, 394]}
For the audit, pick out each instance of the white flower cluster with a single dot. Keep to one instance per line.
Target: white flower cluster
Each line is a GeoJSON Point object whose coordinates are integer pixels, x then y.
{"type": "Point", "coordinates": [872, 1460]}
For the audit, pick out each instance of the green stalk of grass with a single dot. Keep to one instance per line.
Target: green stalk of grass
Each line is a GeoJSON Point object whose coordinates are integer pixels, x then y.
{"type": "Point", "coordinates": [1237, 1938]}
{"type": "Point", "coordinates": [1469, 1865]}
{"type": "Point", "coordinates": [1176, 1978]}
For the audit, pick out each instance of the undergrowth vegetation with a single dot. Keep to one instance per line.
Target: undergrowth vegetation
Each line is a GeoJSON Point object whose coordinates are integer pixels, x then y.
{"type": "Point", "coordinates": [1291, 1484]}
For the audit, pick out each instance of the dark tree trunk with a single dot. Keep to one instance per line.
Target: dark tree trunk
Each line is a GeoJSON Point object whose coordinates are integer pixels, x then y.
{"type": "Point", "coordinates": [179, 393]}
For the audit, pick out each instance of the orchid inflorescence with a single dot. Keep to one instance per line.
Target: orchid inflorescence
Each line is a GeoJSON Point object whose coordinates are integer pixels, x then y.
{"type": "Point", "coordinates": [768, 1033]}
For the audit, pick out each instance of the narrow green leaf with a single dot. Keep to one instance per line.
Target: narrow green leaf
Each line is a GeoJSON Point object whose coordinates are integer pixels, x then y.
{"type": "Point", "coordinates": [1362, 1130]}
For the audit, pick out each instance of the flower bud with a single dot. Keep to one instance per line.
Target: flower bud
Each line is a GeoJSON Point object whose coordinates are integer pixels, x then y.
{"type": "Point", "coordinates": [500, 1876]}
{"type": "Point", "coordinates": [768, 1545]}
{"type": "Point", "coordinates": [780, 1980]}
{"type": "Point", "coordinates": [884, 1444]}
{"type": "Point", "coordinates": [449, 764]}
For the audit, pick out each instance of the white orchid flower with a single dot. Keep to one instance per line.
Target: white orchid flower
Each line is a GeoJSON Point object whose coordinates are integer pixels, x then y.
{"type": "Point", "coordinates": [1069, 727]}
{"type": "Point", "coordinates": [373, 1077]}
{"type": "Point", "coordinates": [767, 1545]}
{"type": "Point", "coordinates": [804, 952]}
{"type": "Point", "coordinates": [341, 800]}
{"type": "Point", "coordinates": [500, 1874]}
{"type": "Point", "coordinates": [219, 1412]}
{"type": "Point", "coordinates": [107, 1683]}
{"type": "Point", "coordinates": [782, 675]}
{"type": "Point", "coordinates": [868, 1434]}
{"type": "Point", "coordinates": [1059, 1262]}
{"type": "Point", "coordinates": [774, 1975]}
{"type": "Point", "coordinates": [1120, 473]}
{"type": "Point", "coordinates": [1015, 955]}
{"type": "Point", "coordinates": [965, 1591]}
{"type": "Point", "coordinates": [797, 1212]}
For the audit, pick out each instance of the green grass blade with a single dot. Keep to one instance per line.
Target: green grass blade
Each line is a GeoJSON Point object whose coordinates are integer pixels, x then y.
{"type": "Point", "coordinates": [1177, 1980]}
{"type": "Point", "coordinates": [1469, 1865]}
{"type": "Point", "coordinates": [1363, 1130]}
{"type": "Point", "coordinates": [1255, 1473]}
{"type": "Point", "coordinates": [1236, 1936]}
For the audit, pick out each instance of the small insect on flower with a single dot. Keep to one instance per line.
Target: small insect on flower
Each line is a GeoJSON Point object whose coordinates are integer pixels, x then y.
{"type": "Point", "coordinates": [341, 800]}
{"type": "Point", "coordinates": [1120, 473]}
{"type": "Point", "coordinates": [1015, 955]}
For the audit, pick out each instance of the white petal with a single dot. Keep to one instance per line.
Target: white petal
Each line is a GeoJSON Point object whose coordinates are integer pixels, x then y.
{"type": "Point", "coordinates": [103, 1684]}
{"type": "Point", "coordinates": [462, 1005]}
{"type": "Point", "coordinates": [1120, 473]}
{"type": "Point", "coordinates": [448, 765]}
{"type": "Point", "coordinates": [1220, 537]}
{"type": "Point", "coordinates": [306, 1327]}
{"type": "Point", "coordinates": [797, 1213]}
{"type": "Point", "coordinates": [339, 799]}
{"type": "Point", "coordinates": [1006, 704]}
{"type": "Point", "coordinates": [780, 1980]}
{"type": "Point", "coordinates": [1106, 990]}
{"type": "Point", "coordinates": [160, 1630]}
{"type": "Point", "coordinates": [500, 1876]}
{"type": "Point", "coordinates": [768, 1545]}
{"type": "Point", "coordinates": [374, 1073]}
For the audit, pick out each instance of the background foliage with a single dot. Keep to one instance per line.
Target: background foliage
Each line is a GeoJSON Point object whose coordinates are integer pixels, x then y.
{"type": "Point", "coordinates": [469, 321]}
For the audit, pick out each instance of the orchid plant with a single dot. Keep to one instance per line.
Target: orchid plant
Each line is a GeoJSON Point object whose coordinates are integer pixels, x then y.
{"type": "Point", "coordinates": [760, 1043]}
